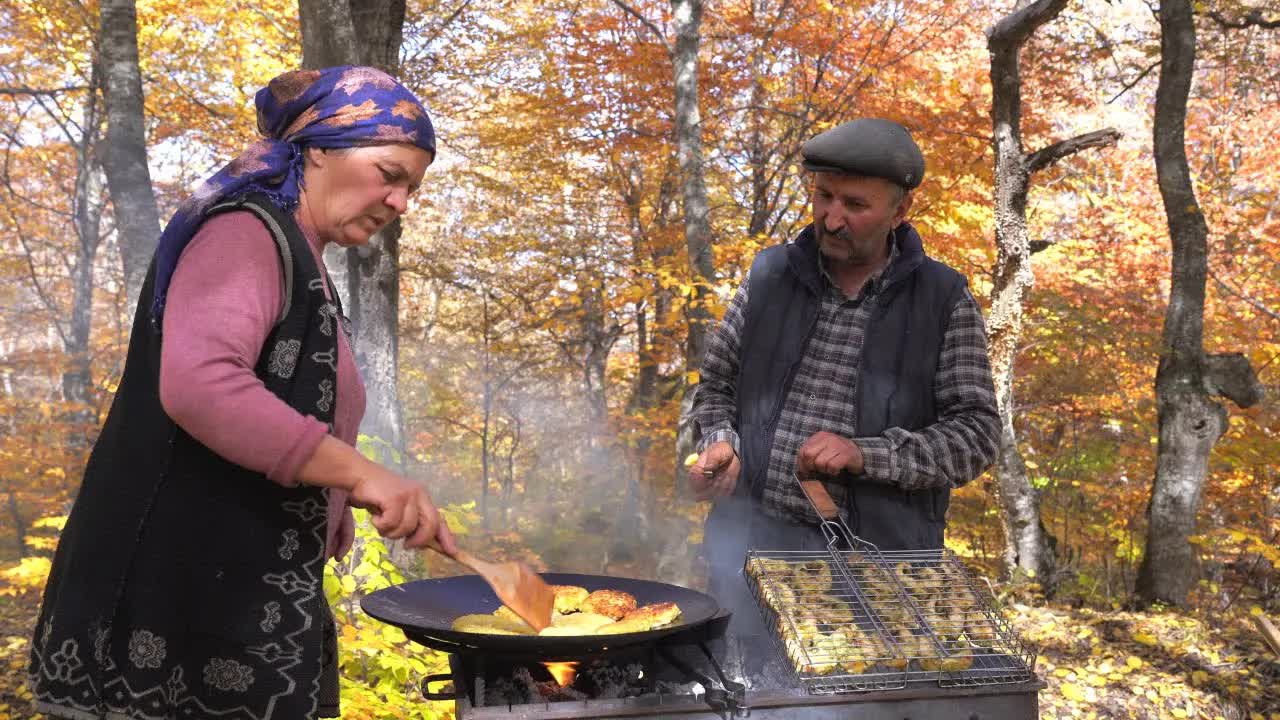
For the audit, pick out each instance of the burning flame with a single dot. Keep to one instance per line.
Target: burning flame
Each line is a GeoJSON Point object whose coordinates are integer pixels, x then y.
{"type": "Point", "coordinates": [563, 672]}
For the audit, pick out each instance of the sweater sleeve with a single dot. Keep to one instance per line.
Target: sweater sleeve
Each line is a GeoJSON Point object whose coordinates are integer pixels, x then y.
{"type": "Point", "coordinates": [223, 301]}
{"type": "Point", "coordinates": [965, 439]}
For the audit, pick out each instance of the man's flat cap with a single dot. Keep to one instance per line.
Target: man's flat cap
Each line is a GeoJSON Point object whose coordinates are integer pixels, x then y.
{"type": "Point", "coordinates": [867, 146]}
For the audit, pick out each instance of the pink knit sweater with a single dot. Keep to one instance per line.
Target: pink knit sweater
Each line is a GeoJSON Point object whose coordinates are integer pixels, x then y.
{"type": "Point", "coordinates": [223, 302]}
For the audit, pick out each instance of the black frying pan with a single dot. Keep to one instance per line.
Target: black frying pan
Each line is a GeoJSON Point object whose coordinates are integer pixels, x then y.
{"type": "Point", "coordinates": [425, 610]}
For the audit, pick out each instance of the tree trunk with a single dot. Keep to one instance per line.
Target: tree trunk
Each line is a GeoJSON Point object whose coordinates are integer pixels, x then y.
{"type": "Point", "coordinates": [125, 158]}
{"type": "Point", "coordinates": [687, 15]}
{"type": "Point", "coordinates": [487, 409]}
{"type": "Point", "coordinates": [367, 32]}
{"type": "Point", "coordinates": [1190, 422]}
{"type": "Point", "coordinates": [1028, 550]}
{"type": "Point", "coordinates": [77, 381]}
{"type": "Point", "coordinates": [345, 32]}
{"type": "Point", "coordinates": [19, 525]}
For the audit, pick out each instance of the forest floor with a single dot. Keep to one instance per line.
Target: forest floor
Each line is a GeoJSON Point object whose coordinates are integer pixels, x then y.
{"type": "Point", "coordinates": [1096, 663]}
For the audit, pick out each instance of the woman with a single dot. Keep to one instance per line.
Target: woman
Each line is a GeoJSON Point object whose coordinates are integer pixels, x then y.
{"type": "Point", "coordinates": [188, 580]}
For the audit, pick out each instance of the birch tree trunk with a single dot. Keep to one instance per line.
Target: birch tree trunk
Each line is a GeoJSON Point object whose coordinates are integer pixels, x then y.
{"type": "Point", "coordinates": [77, 381]}
{"type": "Point", "coordinates": [1190, 421]}
{"type": "Point", "coordinates": [367, 32]}
{"type": "Point", "coordinates": [687, 15]}
{"type": "Point", "coordinates": [350, 32]}
{"type": "Point", "coordinates": [1029, 547]}
{"type": "Point", "coordinates": [125, 158]}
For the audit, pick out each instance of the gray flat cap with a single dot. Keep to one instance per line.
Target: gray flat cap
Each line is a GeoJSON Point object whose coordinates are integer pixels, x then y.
{"type": "Point", "coordinates": [867, 146]}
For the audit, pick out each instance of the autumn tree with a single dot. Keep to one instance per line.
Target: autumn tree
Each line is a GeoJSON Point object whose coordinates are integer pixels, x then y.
{"type": "Point", "coordinates": [125, 151]}
{"type": "Point", "coordinates": [1187, 380]}
{"type": "Point", "coordinates": [338, 32]}
{"type": "Point", "coordinates": [1029, 548]}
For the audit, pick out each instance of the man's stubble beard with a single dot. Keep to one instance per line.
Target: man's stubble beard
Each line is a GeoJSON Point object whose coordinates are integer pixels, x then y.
{"type": "Point", "coordinates": [844, 240]}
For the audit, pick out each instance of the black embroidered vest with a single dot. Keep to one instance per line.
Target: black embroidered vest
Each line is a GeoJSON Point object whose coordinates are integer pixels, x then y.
{"type": "Point", "coordinates": [185, 586]}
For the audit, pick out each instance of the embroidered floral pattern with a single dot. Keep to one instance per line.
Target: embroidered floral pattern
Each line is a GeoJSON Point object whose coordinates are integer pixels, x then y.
{"type": "Point", "coordinates": [328, 357]}
{"type": "Point", "coordinates": [289, 545]}
{"type": "Point", "coordinates": [66, 661]}
{"type": "Point", "coordinates": [176, 686]}
{"type": "Point", "coordinates": [146, 649]}
{"type": "Point", "coordinates": [284, 358]}
{"type": "Point", "coordinates": [290, 583]}
{"type": "Point", "coordinates": [101, 636]}
{"type": "Point", "coordinates": [309, 509]}
{"type": "Point", "coordinates": [228, 675]}
{"type": "Point", "coordinates": [327, 312]}
{"type": "Point", "coordinates": [272, 611]}
{"type": "Point", "coordinates": [272, 653]}
{"type": "Point", "coordinates": [325, 403]}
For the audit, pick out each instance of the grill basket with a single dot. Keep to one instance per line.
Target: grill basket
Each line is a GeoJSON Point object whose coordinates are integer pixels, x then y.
{"type": "Point", "coordinates": [855, 618]}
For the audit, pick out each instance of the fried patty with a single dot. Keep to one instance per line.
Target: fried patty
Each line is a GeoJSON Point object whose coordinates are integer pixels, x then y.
{"type": "Point", "coordinates": [613, 603]}
{"type": "Point", "coordinates": [581, 623]}
{"type": "Point", "coordinates": [569, 597]}
{"type": "Point", "coordinates": [657, 614]}
{"type": "Point", "coordinates": [508, 614]}
{"type": "Point", "coordinates": [627, 625]}
{"type": "Point", "coordinates": [491, 625]}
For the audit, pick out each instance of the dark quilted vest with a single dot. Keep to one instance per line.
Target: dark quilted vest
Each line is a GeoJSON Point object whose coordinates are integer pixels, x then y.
{"type": "Point", "coordinates": [895, 381]}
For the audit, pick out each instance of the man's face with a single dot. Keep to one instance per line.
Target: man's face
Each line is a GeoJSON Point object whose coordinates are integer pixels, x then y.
{"type": "Point", "coordinates": [852, 215]}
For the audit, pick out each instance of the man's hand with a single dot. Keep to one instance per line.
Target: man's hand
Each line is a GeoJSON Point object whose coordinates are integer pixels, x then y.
{"type": "Point", "coordinates": [715, 474]}
{"type": "Point", "coordinates": [826, 453]}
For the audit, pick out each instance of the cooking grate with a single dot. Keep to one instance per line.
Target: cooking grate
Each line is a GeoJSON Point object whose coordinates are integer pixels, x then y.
{"type": "Point", "coordinates": [854, 618]}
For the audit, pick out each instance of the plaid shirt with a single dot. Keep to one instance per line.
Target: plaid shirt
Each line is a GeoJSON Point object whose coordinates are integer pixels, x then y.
{"type": "Point", "coordinates": [949, 453]}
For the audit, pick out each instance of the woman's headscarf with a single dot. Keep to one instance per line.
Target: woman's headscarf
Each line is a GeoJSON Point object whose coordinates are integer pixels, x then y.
{"type": "Point", "coordinates": [336, 107]}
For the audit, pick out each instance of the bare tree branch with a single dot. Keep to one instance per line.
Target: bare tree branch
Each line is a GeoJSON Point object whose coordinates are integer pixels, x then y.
{"type": "Point", "coordinates": [657, 32]}
{"type": "Point", "coordinates": [1255, 303]}
{"type": "Point", "coordinates": [21, 90]}
{"type": "Point", "coordinates": [1047, 156]}
{"type": "Point", "coordinates": [1130, 85]}
{"type": "Point", "coordinates": [1253, 18]}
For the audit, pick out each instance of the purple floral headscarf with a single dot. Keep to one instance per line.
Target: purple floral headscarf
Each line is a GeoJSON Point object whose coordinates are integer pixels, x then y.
{"type": "Point", "coordinates": [336, 107]}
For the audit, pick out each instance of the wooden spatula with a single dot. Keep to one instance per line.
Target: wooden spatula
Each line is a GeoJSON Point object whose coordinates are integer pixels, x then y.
{"type": "Point", "coordinates": [517, 586]}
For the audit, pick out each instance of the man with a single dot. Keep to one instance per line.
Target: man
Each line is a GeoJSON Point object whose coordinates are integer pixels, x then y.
{"type": "Point", "coordinates": [847, 356]}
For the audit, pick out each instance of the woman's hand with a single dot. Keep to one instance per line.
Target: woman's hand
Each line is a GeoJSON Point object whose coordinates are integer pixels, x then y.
{"type": "Point", "coordinates": [401, 508]}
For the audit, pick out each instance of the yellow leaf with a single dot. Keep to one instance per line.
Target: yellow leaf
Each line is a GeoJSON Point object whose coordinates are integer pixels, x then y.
{"type": "Point", "coordinates": [690, 459]}
{"type": "Point", "coordinates": [1133, 662]}
{"type": "Point", "coordinates": [1179, 713]}
{"type": "Point", "coordinates": [1073, 692]}
{"type": "Point", "coordinates": [1199, 677]}
{"type": "Point", "coordinates": [692, 377]}
{"type": "Point", "coordinates": [1146, 638]}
